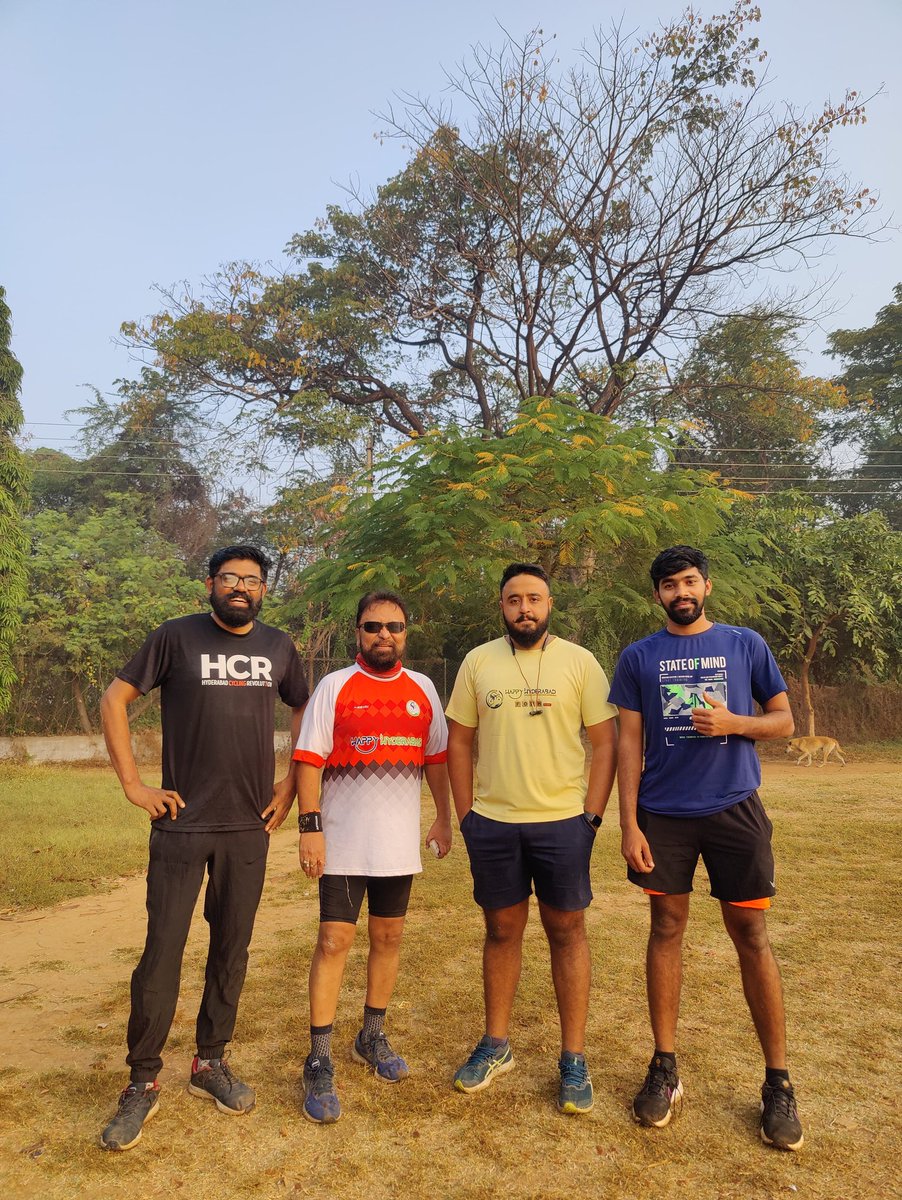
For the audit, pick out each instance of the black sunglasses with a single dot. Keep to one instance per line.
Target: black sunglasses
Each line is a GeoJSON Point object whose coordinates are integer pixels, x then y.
{"type": "Point", "coordinates": [378, 626]}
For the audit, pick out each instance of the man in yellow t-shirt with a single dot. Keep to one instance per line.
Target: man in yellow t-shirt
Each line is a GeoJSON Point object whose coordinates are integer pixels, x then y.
{"type": "Point", "coordinates": [532, 818]}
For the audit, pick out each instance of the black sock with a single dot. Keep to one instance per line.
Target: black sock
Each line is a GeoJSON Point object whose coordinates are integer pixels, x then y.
{"type": "Point", "coordinates": [774, 1077]}
{"type": "Point", "coordinates": [666, 1056]}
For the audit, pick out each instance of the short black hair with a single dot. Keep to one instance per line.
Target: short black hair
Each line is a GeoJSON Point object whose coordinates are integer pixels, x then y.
{"type": "Point", "coordinates": [240, 551]}
{"type": "Point", "coordinates": [383, 597]}
{"type": "Point", "coordinates": [677, 558]}
{"type": "Point", "coordinates": [523, 569]}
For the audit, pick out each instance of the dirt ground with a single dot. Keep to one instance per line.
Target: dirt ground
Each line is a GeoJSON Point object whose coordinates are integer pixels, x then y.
{"type": "Point", "coordinates": [60, 964]}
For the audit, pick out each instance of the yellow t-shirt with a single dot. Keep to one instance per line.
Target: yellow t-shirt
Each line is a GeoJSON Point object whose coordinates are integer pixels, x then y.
{"type": "Point", "coordinates": [530, 768]}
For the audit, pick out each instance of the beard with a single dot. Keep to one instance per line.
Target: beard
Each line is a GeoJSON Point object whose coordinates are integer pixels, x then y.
{"type": "Point", "coordinates": [526, 635]}
{"type": "Point", "coordinates": [233, 614]}
{"type": "Point", "coordinates": [686, 615]}
{"type": "Point", "coordinates": [380, 657]}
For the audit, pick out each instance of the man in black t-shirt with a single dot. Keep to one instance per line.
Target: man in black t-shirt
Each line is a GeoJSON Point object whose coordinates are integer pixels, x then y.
{"type": "Point", "coordinates": [218, 676]}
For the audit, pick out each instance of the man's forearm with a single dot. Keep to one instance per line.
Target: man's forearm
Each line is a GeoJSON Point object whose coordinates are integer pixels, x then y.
{"type": "Point", "coordinates": [460, 775]}
{"type": "Point", "coordinates": [118, 738]}
{"type": "Point", "coordinates": [769, 725]}
{"type": "Point", "coordinates": [308, 780]}
{"type": "Point", "coordinates": [437, 779]}
{"type": "Point", "coordinates": [602, 767]}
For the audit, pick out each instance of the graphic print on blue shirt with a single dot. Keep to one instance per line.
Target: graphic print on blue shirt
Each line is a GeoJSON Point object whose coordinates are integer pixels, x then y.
{"type": "Point", "coordinates": [664, 677]}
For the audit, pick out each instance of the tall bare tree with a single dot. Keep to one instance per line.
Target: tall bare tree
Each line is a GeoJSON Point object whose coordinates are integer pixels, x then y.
{"type": "Point", "coordinates": [554, 227]}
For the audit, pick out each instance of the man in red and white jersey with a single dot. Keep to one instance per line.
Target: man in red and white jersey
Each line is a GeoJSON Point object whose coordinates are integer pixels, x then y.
{"type": "Point", "coordinates": [369, 734]}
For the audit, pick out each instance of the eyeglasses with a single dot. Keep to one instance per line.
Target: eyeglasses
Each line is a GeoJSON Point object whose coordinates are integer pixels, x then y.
{"type": "Point", "coordinates": [378, 626]}
{"type": "Point", "coordinates": [252, 583]}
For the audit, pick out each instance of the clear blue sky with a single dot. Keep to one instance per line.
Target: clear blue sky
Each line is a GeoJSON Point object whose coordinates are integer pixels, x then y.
{"type": "Point", "coordinates": [147, 143]}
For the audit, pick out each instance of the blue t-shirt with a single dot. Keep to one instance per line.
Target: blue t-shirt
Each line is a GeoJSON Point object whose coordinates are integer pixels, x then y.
{"type": "Point", "coordinates": [664, 677]}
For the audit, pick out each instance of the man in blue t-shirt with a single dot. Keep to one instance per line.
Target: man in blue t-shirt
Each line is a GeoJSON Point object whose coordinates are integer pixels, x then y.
{"type": "Point", "coordinates": [687, 699]}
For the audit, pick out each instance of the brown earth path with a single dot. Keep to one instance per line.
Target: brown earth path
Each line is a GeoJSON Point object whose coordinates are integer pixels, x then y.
{"type": "Point", "coordinates": [59, 965]}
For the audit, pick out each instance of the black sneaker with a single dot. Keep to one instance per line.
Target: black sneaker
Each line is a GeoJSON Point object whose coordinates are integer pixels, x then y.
{"type": "Point", "coordinates": [216, 1082]}
{"type": "Point", "coordinates": [137, 1104]}
{"type": "Point", "coordinates": [659, 1095]}
{"type": "Point", "coordinates": [320, 1098]}
{"type": "Point", "coordinates": [780, 1124]}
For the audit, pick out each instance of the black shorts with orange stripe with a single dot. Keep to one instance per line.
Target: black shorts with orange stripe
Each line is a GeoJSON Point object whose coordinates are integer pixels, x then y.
{"type": "Point", "coordinates": [735, 846]}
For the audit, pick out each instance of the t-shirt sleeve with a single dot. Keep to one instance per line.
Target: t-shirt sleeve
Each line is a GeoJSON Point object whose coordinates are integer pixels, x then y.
{"type": "Point", "coordinates": [317, 726]}
{"type": "Point", "coordinates": [594, 700]}
{"type": "Point", "coordinates": [462, 705]}
{"type": "Point", "coordinates": [767, 680]}
{"type": "Point", "coordinates": [149, 667]}
{"type": "Point", "coordinates": [437, 738]}
{"type": "Point", "coordinates": [293, 688]}
{"type": "Point", "coordinates": [625, 690]}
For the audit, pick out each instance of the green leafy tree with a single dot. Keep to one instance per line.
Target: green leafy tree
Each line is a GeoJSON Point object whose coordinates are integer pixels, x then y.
{"type": "Point", "coordinates": [553, 230]}
{"type": "Point", "coordinates": [97, 585]}
{"type": "Point", "coordinates": [740, 404]}
{"type": "Point", "coordinates": [873, 379]}
{"type": "Point", "coordinates": [562, 487]}
{"type": "Point", "coordinates": [13, 501]}
{"type": "Point", "coordinates": [842, 579]}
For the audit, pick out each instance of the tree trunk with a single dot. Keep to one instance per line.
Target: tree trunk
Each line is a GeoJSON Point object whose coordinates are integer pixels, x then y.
{"type": "Point", "coordinates": [805, 675]}
{"type": "Point", "coordinates": [81, 707]}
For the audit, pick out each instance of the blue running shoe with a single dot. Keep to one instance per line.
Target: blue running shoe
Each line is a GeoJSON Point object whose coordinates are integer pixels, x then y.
{"type": "Point", "coordinates": [576, 1094]}
{"type": "Point", "coordinates": [483, 1065]}
{"type": "Point", "coordinates": [376, 1052]}
{"type": "Point", "coordinates": [320, 1101]}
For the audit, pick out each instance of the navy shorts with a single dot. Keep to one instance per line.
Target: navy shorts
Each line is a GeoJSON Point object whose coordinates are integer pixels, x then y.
{"type": "Point", "coordinates": [735, 846]}
{"type": "Point", "coordinates": [507, 859]}
{"type": "Point", "coordinates": [340, 896]}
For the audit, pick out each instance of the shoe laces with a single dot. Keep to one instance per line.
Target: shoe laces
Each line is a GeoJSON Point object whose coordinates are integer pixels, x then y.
{"type": "Point", "coordinates": [382, 1051]}
{"type": "Point", "coordinates": [323, 1072]}
{"type": "Point", "coordinates": [221, 1070]}
{"type": "Point", "coordinates": [782, 1100]}
{"type": "Point", "coordinates": [482, 1053]}
{"type": "Point", "coordinates": [131, 1095]}
{"type": "Point", "coordinates": [659, 1080]}
{"type": "Point", "coordinates": [574, 1071]}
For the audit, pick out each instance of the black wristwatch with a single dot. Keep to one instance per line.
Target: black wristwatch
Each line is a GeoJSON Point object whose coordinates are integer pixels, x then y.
{"type": "Point", "coordinates": [310, 822]}
{"type": "Point", "coordinates": [594, 819]}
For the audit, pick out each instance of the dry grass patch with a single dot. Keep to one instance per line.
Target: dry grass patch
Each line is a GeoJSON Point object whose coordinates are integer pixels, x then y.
{"type": "Point", "coordinates": [836, 929]}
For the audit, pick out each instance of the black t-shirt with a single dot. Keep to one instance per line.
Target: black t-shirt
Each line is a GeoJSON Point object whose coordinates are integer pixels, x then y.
{"type": "Point", "coordinates": [218, 696]}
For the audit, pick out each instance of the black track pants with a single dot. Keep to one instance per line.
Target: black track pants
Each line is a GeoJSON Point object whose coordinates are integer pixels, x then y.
{"type": "Point", "coordinates": [236, 865]}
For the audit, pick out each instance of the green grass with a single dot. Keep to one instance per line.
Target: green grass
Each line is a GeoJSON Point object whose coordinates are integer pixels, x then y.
{"type": "Point", "coordinates": [66, 832]}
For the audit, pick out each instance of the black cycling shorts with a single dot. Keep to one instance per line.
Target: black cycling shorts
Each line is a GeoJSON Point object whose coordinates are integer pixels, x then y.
{"type": "Point", "coordinates": [340, 896]}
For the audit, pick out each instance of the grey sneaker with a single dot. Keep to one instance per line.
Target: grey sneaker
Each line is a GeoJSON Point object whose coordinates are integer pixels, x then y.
{"type": "Point", "coordinates": [137, 1104]}
{"type": "Point", "coordinates": [483, 1065]}
{"type": "Point", "coordinates": [320, 1098]}
{"type": "Point", "coordinates": [216, 1082]}
{"type": "Point", "coordinates": [660, 1094]}
{"type": "Point", "coordinates": [780, 1124]}
{"type": "Point", "coordinates": [575, 1095]}
{"type": "Point", "coordinates": [377, 1053]}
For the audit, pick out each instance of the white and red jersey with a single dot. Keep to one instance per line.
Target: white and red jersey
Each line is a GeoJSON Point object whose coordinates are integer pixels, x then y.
{"type": "Point", "coordinates": [372, 733]}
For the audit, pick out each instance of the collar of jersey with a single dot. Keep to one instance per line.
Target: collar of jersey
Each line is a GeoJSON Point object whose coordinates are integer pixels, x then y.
{"type": "Point", "coordinates": [368, 670]}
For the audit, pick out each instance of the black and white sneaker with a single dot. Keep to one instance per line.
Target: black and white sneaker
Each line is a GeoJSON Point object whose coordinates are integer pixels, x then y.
{"type": "Point", "coordinates": [780, 1124]}
{"type": "Point", "coordinates": [660, 1095]}
{"type": "Point", "coordinates": [215, 1081]}
{"type": "Point", "coordinates": [137, 1104]}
